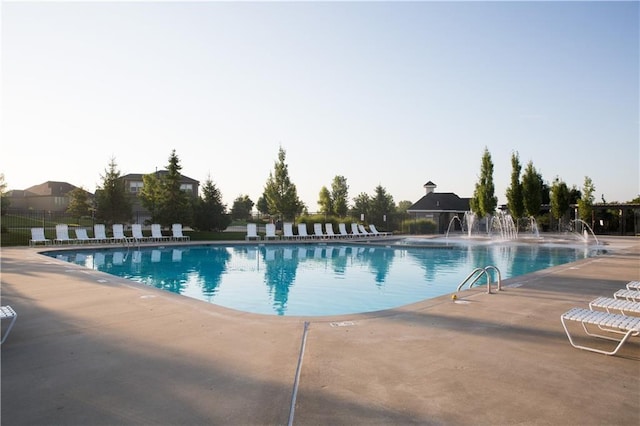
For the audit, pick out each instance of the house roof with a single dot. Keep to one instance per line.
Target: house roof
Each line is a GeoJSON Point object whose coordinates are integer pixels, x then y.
{"type": "Point", "coordinates": [441, 201]}
{"type": "Point", "coordinates": [51, 188]}
{"type": "Point", "coordinates": [429, 184]}
{"type": "Point", "coordinates": [138, 176]}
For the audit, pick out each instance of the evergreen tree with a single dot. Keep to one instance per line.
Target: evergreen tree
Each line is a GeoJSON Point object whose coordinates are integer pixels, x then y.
{"type": "Point", "coordinates": [531, 191]}
{"type": "Point", "coordinates": [280, 193]}
{"type": "Point", "coordinates": [585, 204]}
{"type": "Point", "coordinates": [514, 192]}
{"type": "Point", "coordinates": [79, 205]}
{"type": "Point", "coordinates": [340, 195]}
{"type": "Point", "coordinates": [324, 201]}
{"type": "Point", "coordinates": [381, 206]}
{"type": "Point", "coordinates": [484, 201]}
{"type": "Point", "coordinates": [113, 205]}
{"type": "Point", "coordinates": [242, 207]}
{"type": "Point", "coordinates": [559, 200]}
{"type": "Point", "coordinates": [176, 204]}
{"type": "Point", "coordinates": [211, 213]}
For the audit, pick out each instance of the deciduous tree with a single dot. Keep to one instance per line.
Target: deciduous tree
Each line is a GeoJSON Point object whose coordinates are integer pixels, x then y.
{"type": "Point", "coordinates": [280, 193]}
{"type": "Point", "coordinates": [484, 201]}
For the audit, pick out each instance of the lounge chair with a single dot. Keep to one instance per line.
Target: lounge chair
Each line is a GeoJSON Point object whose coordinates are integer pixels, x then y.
{"type": "Point", "coordinates": [287, 231]}
{"type": "Point", "coordinates": [329, 230]}
{"type": "Point", "coordinates": [633, 285]}
{"type": "Point", "coordinates": [633, 295]}
{"type": "Point", "coordinates": [354, 230]}
{"type": "Point", "coordinates": [136, 233]}
{"type": "Point", "coordinates": [622, 306]}
{"type": "Point", "coordinates": [375, 232]}
{"type": "Point", "coordinates": [317, 231]}
{"type": "Point", "coordinates": [100, 233]}
{"type": "Point", "coordinates": [364, 232]}
{"type": "Point", "coordinates": [7, 312]}
{"type": "Point", "coordinates": [62, 234]}
{"type": "Point", "coordinates": [82, 237]}
{"type": "Point", "coordinates": [342, 227]}
{"type": "Point", "coordinates": [37, 236]}
{"type": "Point", "coordinates": [626, 325]}
{"type": "Point", "coordinates": [252, 232]}
{"type": "Point", "coordinates": [302, 231]}
{"type": "Point", "coordinates": [156, 233]}
{"type": "Point", "coordinates": [270, 230]}
{"type": "Point", "coordinates": [177, 235]}
{"type": "Point", "coordinates": [118, 233]}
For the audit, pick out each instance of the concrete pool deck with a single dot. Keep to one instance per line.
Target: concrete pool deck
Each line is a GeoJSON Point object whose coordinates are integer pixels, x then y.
{"type": "Point", "coordinates": [93, 349]}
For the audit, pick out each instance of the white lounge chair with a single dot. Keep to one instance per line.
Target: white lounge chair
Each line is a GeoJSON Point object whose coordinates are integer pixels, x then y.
{"type": "Point", "coordinates": [100, 233]}
{"type": "Point", "coordinates": [375, 232]}
{"type": "Point", "coordinates": [287, 231]}
{"type": "Point", "coordinates": [329, 230]}
{"type": "Point", "coordinates": [633, 285]}
{"type": "Point", "coordinates": [7, 312]}
{"type": "Point", "coordinates": [252, 232]}
{"type": "Point", "coordinates": [626, 325]}
{"type": "Point", "coordinates": [118, 233]}
{"type": "Point", "coordinates": [317, 231]}
{"type": "Point", "coordinates": [354, 230]}
{"type": "Point", "coordinates": [177, 235]}
{"type": "Point", "coordinates": [342, 227]}
{"type": "Point", "coordinates": [363, 231]}
{"type": "Point", "coordinates": [633, 295]}
{"type": "Point", "coordinates": [62, 234]}
{"type": "Point", "coordinates": [82, 236]}
{"type": "Point", "coordinates": [270, 230]}
{"type": "Point", "coordinates": [136, 233]}
{"type": "Point", "coordinates": [156, 233]}
{"type": "Point", "coordinates": [302, 231]}
{"type": "Point", "coordinates": [622, 306]}
{"type": "Point", "coordinates": [37, 236]}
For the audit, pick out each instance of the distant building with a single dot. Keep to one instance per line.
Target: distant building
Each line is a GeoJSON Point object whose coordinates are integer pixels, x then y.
{"type": "Point", "coordinates": [440, 207]}
{"type": "Point", "coordinates": [49, 196]}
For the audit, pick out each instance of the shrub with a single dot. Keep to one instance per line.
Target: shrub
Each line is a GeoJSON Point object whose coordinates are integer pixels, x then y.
{"type": "Point", "coordinates": [419, 226]}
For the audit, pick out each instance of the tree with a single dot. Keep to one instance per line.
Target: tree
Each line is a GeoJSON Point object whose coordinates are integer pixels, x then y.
{"type": "Point", "coordinates": [381, 206]}
{"type": "Point", "coordinates": [531, 191]}
{"type": "Point", "coordinates": [324, 201]}
{"type": "Point", "coordinates": [151, 195]}
{"type": "Point", "coordinates": [340, 195]}
{"type": "Point", "coordinates": [514, 192]}
{"type": "Point", "coordinates": [559, 200]}
{"type": "Point", "coordinates": [484, 201]}
{"type": "Point", "coordinates": [242, 207]}
{"type": "Point", "coordinates": [175, 204]}
{"type": "Point", "coordinates": [4, 201]}
{"type": "Point", "coordinates": [262, 205]}
{"type": "Point", "coordinates": [585, 204]}
{"type": "Point", "coordinates": [280, 193]}
{"type": "Point", "coordinates": [79, 204]}
{"type": "Point", "coordinates": [403, 206]}
{"type": "Point", "coordinates": [211, 213]}
{"type": "Point", "coordinates": [113, 205]}
{"type": "Point", "coordinates": [361, 205]}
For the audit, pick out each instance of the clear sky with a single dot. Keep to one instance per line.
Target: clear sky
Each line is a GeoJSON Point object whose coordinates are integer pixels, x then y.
{"type": "Point", "coordinates": [382, 93]}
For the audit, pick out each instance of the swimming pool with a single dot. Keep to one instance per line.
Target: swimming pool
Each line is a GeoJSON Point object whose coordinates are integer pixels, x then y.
{"type": "Point", "coordinates": [314, 280]}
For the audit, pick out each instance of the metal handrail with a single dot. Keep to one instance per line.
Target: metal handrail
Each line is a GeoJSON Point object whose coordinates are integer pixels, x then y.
{"type": "Point", "coordinates": [483, 271]}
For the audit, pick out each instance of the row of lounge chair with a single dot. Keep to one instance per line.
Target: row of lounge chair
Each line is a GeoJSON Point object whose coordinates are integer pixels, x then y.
{"type": "Point", "coordinates": [618, 315]}
{"type": "Point", "coordinates": [357, 231]}
{"type": "Point", "coordinates": [100, 235]}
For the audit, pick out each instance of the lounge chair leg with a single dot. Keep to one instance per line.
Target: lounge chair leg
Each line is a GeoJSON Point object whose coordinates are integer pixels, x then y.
{"type": "Point", "coordinates": [628, 334]}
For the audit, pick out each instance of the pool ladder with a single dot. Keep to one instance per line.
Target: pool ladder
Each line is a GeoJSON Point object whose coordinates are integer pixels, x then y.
{"type": "Point", "coordinates": [477, 273]}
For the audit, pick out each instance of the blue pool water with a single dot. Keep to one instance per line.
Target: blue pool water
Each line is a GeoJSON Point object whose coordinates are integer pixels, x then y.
{"type": "Point", "coordinates": [312, 280]}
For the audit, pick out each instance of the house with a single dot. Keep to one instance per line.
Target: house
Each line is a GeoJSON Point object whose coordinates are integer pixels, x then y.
{"type": "Point", "coordinates": [440, 207]}
{"type": "Point", "coordinates": [49, 196]}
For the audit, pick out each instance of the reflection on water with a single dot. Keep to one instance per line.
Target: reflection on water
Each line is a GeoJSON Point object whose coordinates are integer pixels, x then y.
{"type": "Point", "coordinates": [324, 279]}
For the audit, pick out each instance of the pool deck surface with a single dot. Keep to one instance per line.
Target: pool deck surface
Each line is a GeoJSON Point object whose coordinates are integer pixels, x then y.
{"type": "Point", "coordinates": [92, 349]}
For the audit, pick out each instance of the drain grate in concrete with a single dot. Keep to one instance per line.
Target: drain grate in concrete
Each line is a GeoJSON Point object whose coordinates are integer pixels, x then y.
{"type": "Point", "coordinates": [342, 324]}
